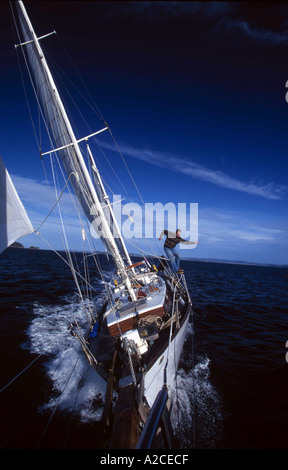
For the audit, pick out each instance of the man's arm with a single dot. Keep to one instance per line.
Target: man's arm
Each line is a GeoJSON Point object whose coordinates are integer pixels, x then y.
{"type": "Point", "coordinates": [188, 243]}
{"type": "Point", "coordinates": [164, 232]}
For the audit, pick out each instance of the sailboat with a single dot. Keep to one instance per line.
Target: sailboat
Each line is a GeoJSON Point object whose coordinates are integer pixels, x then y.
{"type": "Point", "coordinates": [134, 343]}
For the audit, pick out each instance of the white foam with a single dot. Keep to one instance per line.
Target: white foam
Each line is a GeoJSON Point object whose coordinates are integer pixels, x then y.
{"type": "Point", "coordinates": [77, 389]}
{"type": "Point", "coordinates": [76, 386]}
{"type": "Point", "coordinates": [197, 408]}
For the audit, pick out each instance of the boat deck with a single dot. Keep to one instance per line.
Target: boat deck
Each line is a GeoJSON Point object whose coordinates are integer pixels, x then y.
{"type": "Point", "coordinates": [151, 303]}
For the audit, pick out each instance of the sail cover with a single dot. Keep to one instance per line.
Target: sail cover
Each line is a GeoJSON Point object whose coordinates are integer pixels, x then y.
{"type": "Point", "coordinates": [62, 135]}
{"type": "Point", "coordinates": [14, 221]}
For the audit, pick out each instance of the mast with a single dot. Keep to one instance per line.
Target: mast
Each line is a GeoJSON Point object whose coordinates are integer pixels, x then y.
{"type": "Point", "coordinates": [102, 194]}
{"type": "Point", "coordinates": [88, 196]}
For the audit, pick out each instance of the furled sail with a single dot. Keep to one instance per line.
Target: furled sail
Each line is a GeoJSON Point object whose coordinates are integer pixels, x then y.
{"type": "Point", "coordinates": [59, 127]}
{"type": "Point", "coordinates": [64, 140]}
{"type": "Point", "coordinates": [14, 221]}
{"type": "Point", "coordinates": [61, 132]}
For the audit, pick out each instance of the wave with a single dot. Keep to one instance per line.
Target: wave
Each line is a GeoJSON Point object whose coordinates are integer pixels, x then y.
{"type": "Point", "coordinates": [197, 412]}
{"type": "Point", "coordinates": [76, 388]}
{"type": "Point", "coordinates": [79, 391]}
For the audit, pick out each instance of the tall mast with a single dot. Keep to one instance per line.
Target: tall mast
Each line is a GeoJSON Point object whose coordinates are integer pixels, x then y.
{"type": "Point", "coordinates": [108, 204]}
{"type": "Point", "coordinates": [95, 203]}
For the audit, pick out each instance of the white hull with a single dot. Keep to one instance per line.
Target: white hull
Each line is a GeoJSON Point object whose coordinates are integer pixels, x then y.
{"type": "Point", "coordinates": [155, 377]}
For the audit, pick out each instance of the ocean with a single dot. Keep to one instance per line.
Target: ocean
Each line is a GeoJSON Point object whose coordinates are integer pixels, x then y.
{"type": "Point", "coordinates": [233, 375]}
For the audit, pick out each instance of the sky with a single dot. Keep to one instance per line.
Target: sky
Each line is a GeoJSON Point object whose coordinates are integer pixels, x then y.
{"type": "Point", "coordinates": [195, 95]}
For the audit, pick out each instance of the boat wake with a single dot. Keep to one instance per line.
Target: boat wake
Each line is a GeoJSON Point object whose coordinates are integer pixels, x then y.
{"type": "Point", "coordinates": [76, 388]}
{"type": "Point", "coordinates": [197, 411]}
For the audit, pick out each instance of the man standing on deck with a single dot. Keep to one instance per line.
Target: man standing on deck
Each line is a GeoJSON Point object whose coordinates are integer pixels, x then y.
{"type": "Point", "coordinates": [171, 242]}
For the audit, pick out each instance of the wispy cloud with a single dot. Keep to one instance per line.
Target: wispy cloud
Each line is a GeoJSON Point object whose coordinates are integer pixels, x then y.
{"type": "Point", "coordinates": [265, 25]}
{"type": "Point", "coordinates": [39, 198]}
{"type": "Point", "coordinates": [33, 192]}
{"type": "Point", "coordinates": [263, 36]}
{"type": "Point", "coordinates": [240, 20]}
{"type": "Point", "coordinates": [196, 171]}
{"type": "Point", "coordinates": [225, 226]}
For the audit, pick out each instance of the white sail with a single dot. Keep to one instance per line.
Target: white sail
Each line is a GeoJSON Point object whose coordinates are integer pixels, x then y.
{"type": "Point", "coordinates": [59, 127]}
{"type": "Point", "coordinates": [14, 221]}
{"type": "Point", "coordinates": [64, 140]}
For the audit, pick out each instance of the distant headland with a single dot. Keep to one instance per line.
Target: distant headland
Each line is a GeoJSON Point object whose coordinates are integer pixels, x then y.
{"type": "Point", "coordinates": [19, 245]}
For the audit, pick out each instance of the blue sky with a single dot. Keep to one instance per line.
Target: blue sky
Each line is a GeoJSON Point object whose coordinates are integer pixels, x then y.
{"type": "Point", "coordinates": [194, 93]}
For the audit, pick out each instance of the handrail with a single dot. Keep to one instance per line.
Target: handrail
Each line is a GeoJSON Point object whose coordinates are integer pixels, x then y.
{"type": "Point", "coordinates": [157, 416]}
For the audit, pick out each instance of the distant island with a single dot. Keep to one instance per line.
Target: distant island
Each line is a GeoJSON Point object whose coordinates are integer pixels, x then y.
{"type": "Point", "coordinates": [201, 260]}
{"type": "Point", "coordinates": [19, 245]}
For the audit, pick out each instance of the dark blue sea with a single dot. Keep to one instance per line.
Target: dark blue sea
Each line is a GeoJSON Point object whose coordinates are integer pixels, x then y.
{"type": "Point", "coordinates": [233, 376]}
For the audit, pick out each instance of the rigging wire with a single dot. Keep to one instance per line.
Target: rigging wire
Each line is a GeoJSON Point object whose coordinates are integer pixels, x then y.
{"type": "Point", "coordinates": [58, 200]}
{"type": "Point", "coordinates": [28, 409]}
{"type": "Point", "coordinates": [99, 115]}
{"type": "Point", "coordinates": [63, 259]}
{"type": "Point", "coordinates": [97, 111]}
{"type": "Point", "coordinates": [22, 78]}
{"type": "Point", "coordinates": [64, 84]}
{"type": "Point", "coordinates": [30, 364]}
